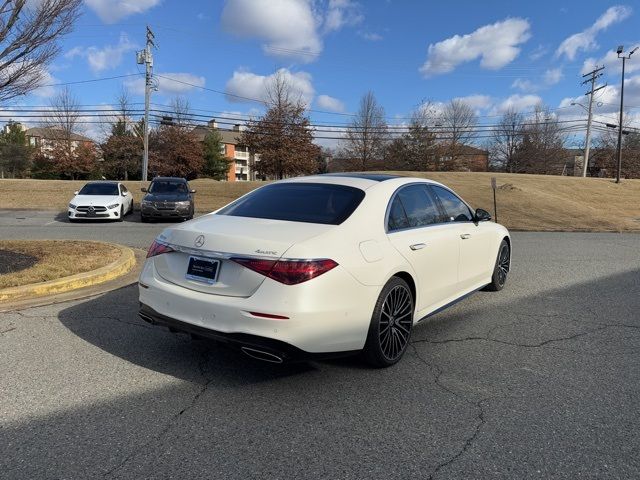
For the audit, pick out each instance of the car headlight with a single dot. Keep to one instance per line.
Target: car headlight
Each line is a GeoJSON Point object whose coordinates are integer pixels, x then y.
{"type": "Point", "coordinates": [185, 203]}
{"type": "Point", "coordinates": [147, 203]}
{"type": "Point", "coordinates": [111, 207]}
{"type": "Point", "coordinates": [72, 206]}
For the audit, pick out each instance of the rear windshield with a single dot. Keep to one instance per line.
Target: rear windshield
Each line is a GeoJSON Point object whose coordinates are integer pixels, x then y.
{"type": "Point", "coordinates": [167, 186]}
{"type": "Point", "coordinates": [298, 202]}
{"type": "Point", "coordinates": [99, 189]}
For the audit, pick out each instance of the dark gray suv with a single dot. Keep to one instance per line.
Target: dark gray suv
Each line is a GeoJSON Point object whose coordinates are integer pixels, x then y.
{"type": "Point", "coordinates": [167, 197]}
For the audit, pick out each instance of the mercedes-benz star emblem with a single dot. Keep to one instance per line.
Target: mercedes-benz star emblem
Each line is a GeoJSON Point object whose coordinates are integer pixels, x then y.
{"type": "Point", "coordinates": [199, 241]}
{"type": "Point", "coordinates": [91, 209]}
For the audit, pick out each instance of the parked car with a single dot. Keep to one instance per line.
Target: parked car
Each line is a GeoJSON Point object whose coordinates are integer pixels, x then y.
{"type": "Point", "coordinates": [167, 197]}
{"type": "Point", "coordinates": [106, 200]}
{"type": "Point", "coordinates": [323, 265]}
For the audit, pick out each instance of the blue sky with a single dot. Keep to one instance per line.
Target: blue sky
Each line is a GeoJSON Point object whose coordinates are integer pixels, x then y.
{"type": "Point", "coordinates": [492, 53]}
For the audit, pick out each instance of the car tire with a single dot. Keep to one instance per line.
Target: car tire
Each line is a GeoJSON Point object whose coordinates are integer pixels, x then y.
{"type": "Point", "coordinates": [391, 325]}
{"type": "Point", "coordinates": [73, 220]}
{"type": "Point", "coordinates": [121, 217]}
{"type": "Point", "coordinates": [500, 269]}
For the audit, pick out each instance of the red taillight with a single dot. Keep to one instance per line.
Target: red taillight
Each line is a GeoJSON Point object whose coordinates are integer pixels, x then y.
{"type": "Point", "coordinates": [289, 272]}
{"type": "Point", "coordinates": [158, 248]}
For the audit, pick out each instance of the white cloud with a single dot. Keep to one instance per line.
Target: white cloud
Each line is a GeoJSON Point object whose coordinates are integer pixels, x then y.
{"type": "Point", "coordinates": [496, 45]}
{"type": "Point", "coordinates": [168, 83]}
{"type": "Point", "coordinates": [330, 103]}
{"type": "Point", "coordinates": [518, 102]}
{"type": "Point", "coordinates": [105, 58]}
{"type": "Point", "coordinates": [245, 86]}
{"type": "Point", "coordinates": [550, 77]}
{"type": "Point", "coordinates": [288, 27]}
{"type": "Point", "coordinates": [553, 76]}
{"type": "Point", "coordinates": [110, 11]}
{"type": "Point", "coordinates": [586, 40]}
{"type": "Point", "coordinates": [538, 52]}
{"type": "Point", "coordinates": [371, 36]}
{"type": "Point", "coordinates": [342, 13]}
{"type": "Point", "coordinates": [477, 102]}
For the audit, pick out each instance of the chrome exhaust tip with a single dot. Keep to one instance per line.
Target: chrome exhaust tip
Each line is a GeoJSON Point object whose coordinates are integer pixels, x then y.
{"type": "Point", "coordinates": [261, 355]}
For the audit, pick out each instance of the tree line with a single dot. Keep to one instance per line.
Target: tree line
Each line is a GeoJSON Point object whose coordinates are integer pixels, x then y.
{"type": "Point", "coordinates": [63, 154]}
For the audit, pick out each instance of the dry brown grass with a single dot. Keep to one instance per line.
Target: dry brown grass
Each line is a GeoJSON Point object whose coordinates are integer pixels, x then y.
{"type": "Point", "coordinates": [56, 259]}
{"type": "Point", "coordinates": [55, 194]}
{"type": "Point", "coordinates": [525, 202]}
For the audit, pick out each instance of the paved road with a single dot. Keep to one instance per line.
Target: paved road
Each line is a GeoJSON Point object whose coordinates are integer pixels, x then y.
{"type": "Point", "coordinates": [541, 380]}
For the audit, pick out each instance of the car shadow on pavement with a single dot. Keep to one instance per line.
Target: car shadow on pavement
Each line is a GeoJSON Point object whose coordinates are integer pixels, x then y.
{"type": "Point", "coordinates": [111, 323]}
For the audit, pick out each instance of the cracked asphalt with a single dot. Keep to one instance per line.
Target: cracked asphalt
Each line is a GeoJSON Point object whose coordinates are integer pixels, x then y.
{"type": "Point", "coordinates": [541, 380]}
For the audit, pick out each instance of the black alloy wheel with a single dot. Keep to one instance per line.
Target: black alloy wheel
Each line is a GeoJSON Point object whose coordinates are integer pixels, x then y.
{"type": "Point", "coordinates": [501, 268]}
{"type": "Point", "coordinates": [391, 324]}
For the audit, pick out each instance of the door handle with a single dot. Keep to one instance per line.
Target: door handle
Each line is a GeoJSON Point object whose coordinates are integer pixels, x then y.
{"type": "Point", "coordinates": [417, 246]}
{"type": "Point", "coordinates": [465, 236]}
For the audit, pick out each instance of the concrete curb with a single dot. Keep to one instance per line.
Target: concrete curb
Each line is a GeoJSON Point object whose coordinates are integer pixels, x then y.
{"type": "Point", "coordinates": [115, 269]}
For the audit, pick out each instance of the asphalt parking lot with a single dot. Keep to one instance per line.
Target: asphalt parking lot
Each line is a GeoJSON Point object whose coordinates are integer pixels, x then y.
{"type": "Point", "coordinates": [541, 380]}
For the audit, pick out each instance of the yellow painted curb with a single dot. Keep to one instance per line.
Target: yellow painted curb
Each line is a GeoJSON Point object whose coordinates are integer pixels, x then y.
{"type": "Point", "coordinates": [115, 269]}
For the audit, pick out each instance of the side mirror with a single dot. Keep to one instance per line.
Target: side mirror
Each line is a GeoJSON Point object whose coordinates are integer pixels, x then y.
{"type": "Point", "coordinates": [192, 191]}
{"type": "Point", "coordinates": [482, 215]}
{"type": "Point", "coordinates": [143, 189]}
{"type": "Point", "coordinates": [76, 192]}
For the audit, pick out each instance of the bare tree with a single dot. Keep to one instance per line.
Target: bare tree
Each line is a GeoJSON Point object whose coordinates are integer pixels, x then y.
{"type": "Point", "coordinates": [181, 109]}
{"type": "Point", "coordinates": [63, 120]}
{"type": "Point", "coordinates": [506, 138]}
{"type": "Point", "coordinates": [29, 35]}
{"type": "Point", "coordinates": [459, 130]}
{"type": "Point", "coordinates": [542, 147]}
{"type": "Point", "coordinates": [282, 136]}
{"type": "Point", "coordinates": [366, 136]}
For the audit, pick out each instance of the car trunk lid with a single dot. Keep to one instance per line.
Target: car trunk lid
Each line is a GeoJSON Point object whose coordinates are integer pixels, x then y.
{"type": "Point", "coordinates": [222, 237]}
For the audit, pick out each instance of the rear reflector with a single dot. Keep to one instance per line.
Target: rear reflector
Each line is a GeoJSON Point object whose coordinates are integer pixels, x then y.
{"type": "Point", "coordinates": [269, 315]}
{"type": "Point", "coordinates": [158, 248]}
{"type": "Point", "coordinates": [289, 272]}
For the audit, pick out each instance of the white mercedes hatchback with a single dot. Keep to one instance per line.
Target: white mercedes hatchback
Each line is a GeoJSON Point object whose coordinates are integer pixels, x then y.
{"type": "Point", "coordinates": [100, 200]}
{"type": "Point", "coordinates": [323, 266]}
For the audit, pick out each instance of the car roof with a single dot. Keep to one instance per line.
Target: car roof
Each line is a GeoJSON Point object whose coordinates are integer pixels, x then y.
{"type": "Point", "coordinates": [376, 177]}
{"type": "Point", "coordinates": [359, 180]}
{"type": "Point", "coordinates": [103, 182]}
{"type": "Point", "coordinates": [169, 179]}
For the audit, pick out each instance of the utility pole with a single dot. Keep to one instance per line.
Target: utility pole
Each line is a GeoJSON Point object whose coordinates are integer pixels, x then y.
{"type": "Point", "coordinates": [146, 57]}
{"type": "Point", "coordinates": [593, 76]}
{"type": "Point", "coordinates": [624, 58]}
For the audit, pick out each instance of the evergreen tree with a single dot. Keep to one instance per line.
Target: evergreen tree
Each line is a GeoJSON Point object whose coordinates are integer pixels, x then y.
{"type": "Point", "coordinates": [14, 152]}
{"type": "Point", "coordinates": [216, 165]}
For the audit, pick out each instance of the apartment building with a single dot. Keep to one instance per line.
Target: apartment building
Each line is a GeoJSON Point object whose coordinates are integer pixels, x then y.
{"type": "Point", "coordinates": [242, 161]}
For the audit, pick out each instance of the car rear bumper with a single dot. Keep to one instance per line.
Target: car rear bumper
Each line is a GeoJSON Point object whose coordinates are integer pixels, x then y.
{"type": "Point", "coordinates": [329, 314]}
{"type": "Point", "coordinates": [277, 351]}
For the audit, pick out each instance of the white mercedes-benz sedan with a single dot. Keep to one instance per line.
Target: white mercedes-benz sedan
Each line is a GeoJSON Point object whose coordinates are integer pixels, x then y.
{"type": "Point", "coordinates": [101, 200]}
{"type": "Point", "coordinates": [323, 266]}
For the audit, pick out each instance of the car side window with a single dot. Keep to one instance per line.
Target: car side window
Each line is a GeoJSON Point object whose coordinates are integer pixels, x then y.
{"type": "Point", "coordinates": [417, 205]}
{"type": "Point", "coordinates": [456, 210]}
{"type": "Point", "coordinates": [397, 217]}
